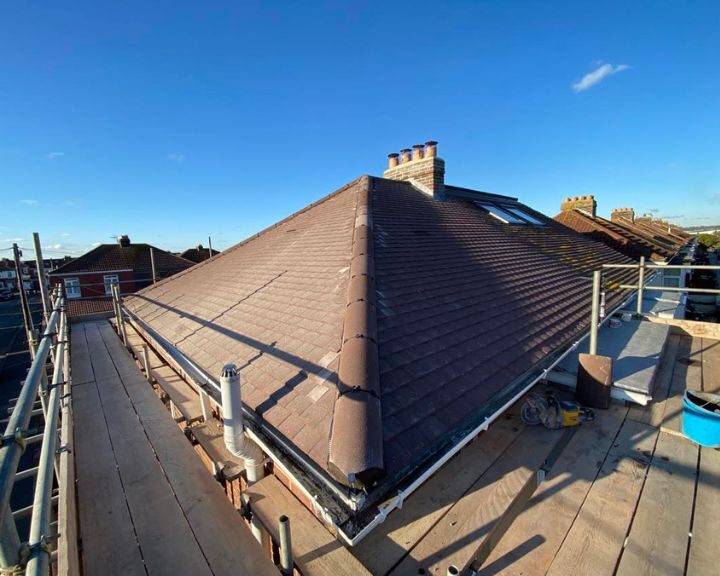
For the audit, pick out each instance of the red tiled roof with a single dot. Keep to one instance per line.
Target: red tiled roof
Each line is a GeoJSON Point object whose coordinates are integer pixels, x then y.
{"type": "Point", "coordinates": [107, 257]}
{"type": "Point", "coordinates": [429, 310]}
{"type": "Point", "coordinates": [619, 236]}
{"type": "Point", "coordinates": [76, 307]}
{"type": "Point", "coordinates": [198, 254]}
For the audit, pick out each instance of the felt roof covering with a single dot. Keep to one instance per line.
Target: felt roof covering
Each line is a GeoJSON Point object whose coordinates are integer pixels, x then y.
{"type": "Point", "coordinates": [375, 325]}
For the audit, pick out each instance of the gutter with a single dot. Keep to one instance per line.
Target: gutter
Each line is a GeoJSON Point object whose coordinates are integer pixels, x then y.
{"type": "Point", "coordinates": [399, 499]}
{"type": "Point", "coordinates": [210, 386]}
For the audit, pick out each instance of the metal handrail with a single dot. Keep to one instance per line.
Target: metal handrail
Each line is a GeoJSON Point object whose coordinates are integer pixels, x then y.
{"type": "Point", "coordinates": [640, 287]}
{"type": "Point", "coordinates": [36, 555]}
{"type": "Point", "coordinates": [666, 267]}
{"type": "Point", "coordinates": [39, 540]}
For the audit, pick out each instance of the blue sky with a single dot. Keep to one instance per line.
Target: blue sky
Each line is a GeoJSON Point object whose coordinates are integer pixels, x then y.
{"type": "Point", "coordinates": [169, 121]}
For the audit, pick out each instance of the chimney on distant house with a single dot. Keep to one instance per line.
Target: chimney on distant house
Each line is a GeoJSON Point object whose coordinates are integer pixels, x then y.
{"type": "Point", "coordinates": [124, 240]}
{"type": "Point", "coordinates": [585, 203]}
{"type": "Point", "coordinates": [622, 215]}
{"type": "Point", "coordinates": [419, 166]}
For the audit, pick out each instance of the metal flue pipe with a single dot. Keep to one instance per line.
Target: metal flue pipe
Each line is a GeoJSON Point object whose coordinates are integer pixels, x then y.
{"type": "Point", "coordinates": [595, 311]}
{"type": "Point", "coordinates": [286, 560]}
{"type": "Point", "coordinates": [233, 428]}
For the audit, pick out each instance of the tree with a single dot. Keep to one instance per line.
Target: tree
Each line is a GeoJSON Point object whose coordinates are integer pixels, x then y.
{"type": "Point", "coordinates": [709, 241]}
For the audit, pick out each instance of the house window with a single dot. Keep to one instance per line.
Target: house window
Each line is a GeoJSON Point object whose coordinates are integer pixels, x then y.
{"type": "Point", "coordinates": [110, 279]}
{"type": "Point", "coordinates": [72, 287]}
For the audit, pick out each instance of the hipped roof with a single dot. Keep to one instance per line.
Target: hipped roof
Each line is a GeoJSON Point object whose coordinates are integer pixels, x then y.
{"type": "Point", "coordinates": [374, 325]}
{"type": "Point", "coordinates": [136, 257]}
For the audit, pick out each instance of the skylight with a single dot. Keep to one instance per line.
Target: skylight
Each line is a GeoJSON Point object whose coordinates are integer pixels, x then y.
{"type": "Point", "coordinates": [509, 214]}
{"type": "Point", "coordinates": [525, 215]}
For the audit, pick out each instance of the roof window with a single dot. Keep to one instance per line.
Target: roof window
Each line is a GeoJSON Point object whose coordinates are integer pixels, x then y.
{"type": "Point", "coordinates": [509, 214]}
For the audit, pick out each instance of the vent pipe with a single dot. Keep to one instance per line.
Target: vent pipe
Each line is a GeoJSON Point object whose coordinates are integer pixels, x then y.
{"type": "Point", "coordinates": [234, 430]}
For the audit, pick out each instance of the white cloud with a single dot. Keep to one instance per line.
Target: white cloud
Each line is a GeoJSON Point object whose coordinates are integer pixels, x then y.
{"type": "Point", "coordinates": [176, 157]}
{"type": "Point", "coordinates": [30, 202]}
{"type": "Point", "coordinates": [66, 234]}
{"type": "Point", "coordinates": [14, 240]}
{"type": "Point", "coordinates": [53, 247]}
{"type": "Point", "coordinates": [597, 76]}
{"type": "Point", "coordinates": [54, 155]}
{"type": "Point", "coordinates": [95, 244]}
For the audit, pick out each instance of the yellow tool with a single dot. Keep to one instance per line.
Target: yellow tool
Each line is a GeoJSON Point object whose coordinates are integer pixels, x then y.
{"type": "Point", "coordinates": [552, 412]}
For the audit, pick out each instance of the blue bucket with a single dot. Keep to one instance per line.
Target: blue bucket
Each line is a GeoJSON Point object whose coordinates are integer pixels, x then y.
{"type": "Point", "coordinates": [701, 418]}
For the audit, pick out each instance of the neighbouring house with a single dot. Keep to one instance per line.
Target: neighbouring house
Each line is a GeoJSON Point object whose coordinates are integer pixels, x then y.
{"type": "Point", "coordinates": [7, 275]}
{"type": "Point", "coordinates": [49, 264]}
{"type": "Point", "coordinates": [199, 253]}
{"type": "Point", "coordinates": [29, 271]}
{"type": "Point", "coordinates": [621, 232]}
{"type": "Point", "coordinates": [88, 279]}
{"type": "Point", "coordinates": [380, 326]}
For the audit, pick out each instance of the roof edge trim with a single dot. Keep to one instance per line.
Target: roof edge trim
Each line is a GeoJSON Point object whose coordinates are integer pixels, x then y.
{"type": "Point", "coordinates": [356, 439]}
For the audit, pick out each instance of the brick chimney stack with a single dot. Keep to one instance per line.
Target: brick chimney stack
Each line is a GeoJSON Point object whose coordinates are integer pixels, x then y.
{"type": "Point", "coordinates": [419, 166]}
{"type": "Point", "coordinates": [585, 203]}
{"type": "Point", "coordinates": [622, 215]}
{"type": "Point", "coordinates": [124, 240]}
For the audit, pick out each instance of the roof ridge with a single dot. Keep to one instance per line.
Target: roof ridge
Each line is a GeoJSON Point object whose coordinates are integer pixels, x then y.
{"type": "Point", "coordinates": [356, 437]}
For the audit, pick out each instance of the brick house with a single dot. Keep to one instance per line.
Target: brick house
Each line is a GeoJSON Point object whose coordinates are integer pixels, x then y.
{"type": "Point", "coordinates": [88, 280]}
{"type": "Point", "coordinates": [622, 232]}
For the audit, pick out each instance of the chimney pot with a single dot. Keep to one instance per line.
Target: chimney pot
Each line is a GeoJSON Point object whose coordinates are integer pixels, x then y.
{"type": "Point", "coordinates": [124, 240]}
{"type": "Point", "coordinates": [428, 175]}
{"type": "Point", "coordinates": [430, 149]}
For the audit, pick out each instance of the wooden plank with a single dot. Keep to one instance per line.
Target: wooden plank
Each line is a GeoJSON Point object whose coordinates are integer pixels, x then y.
{"type": "Point", "coordinates": [226, 541]}
{"type": "Point", "coordinates": [672, 418]}
{"type": "Point", "coordinates": [703, 559]}
{"type": "Point", "coordinates": [560, 497]}
{"type": "Point", "coordinates": [385, 546]}
{"type": "Point", "coordinates": [316, 552]}
{"type": "Point", "coordinates": [658, 538]}
{"type": "Point", "coordinates": [652, 414]}
{"type": "Point", "coordinates": [711, 366]}
{"type": "Point", "coordinates": [109, 545]}
{"type": "Point", "coordinates": [595, 540]}
{"type": "Point", "coordinates": [185, 399]}
{"type": "Point", "coordinates": [694, 369]}
{"type": "Point", "coordinates": [458, 534]}
{"type": "Point", "coordinates": [211, 439]}
{"type": "Point", "coordinates": [156, 515]}
{"type": "Point", "coordinates": [68, 539]}
{"type": "Point", "coordinates": [81, 367]}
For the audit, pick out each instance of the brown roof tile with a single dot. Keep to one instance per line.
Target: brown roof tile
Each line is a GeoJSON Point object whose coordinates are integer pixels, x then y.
{"type": "Point", "coordinates": [132, 257]}
{"type": "Point", "coordinates": [198, 254]}
{"type": "Point", "coordinates": [621, 236]}
{"type": "Point", "coordinates": [427, 309]}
